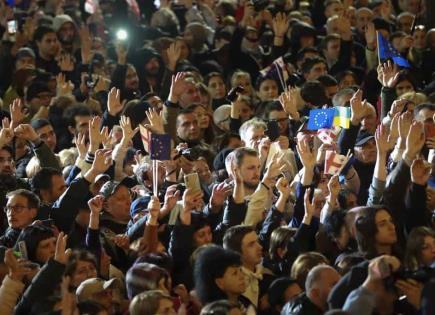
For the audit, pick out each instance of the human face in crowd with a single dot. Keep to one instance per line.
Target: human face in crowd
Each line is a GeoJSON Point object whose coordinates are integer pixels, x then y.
{"type": "Point", "coordinates": [419, 37]}
{"type": "Point", "coordinates": [190, 95]}
{"type": "Point", "coordinates": [334, 9]}
{"type": "Point", "coordinates": [282, 119]}
{"type": "Point", "coordinates": [306, 41]}
{"type": "Point", "coordinates": [41, 99]}
{"type": "Point", "coordinates": [252, 251]}
{"type": "Point", "coordinates": [25, 62]}
{"type": "Point", "coordinates": [81, 125]}
{"type": "Point", "coordinates": [7, 165]}
{"type": "Point", "coordinates": [367, 152]}
{"type": "Point", "coordinates": [131, 79]}
{"type": "Point", "coordinates": [346, 81]}
{"type": "Point", "coordinates": [386, 229]}
{"type": "Point", "coordinates": [332, 51]}
{"type": "Point", "coordinates": [268, 90]}
{"type": "Point", "coordinates": [18, 212]}
{"type": "Point", "coordinates": [166, 307]}
{"type": "Point", "coordinates": [188, 127]}
{"type": "Point", "coordinates": [203, 236]}
{"type": "Point", "coordinates": [428, 251]}
{"type": "Point", "coordinates": [291, 292]}
{"type": "Point", "coordinates": [329, 278]}
{"type": "Point", "coordinates": [404, 86]}
{"type": "Point", "coordinates": [84, 270]}
{"type": "Point", "coordinates": [48, 47]}
{"type": "Point", "coordinates": [250, 41]}
{"type": "Point", "coordinates": [253, 137]}
{"type": "Point", "coordinates": [245, 82]}
{"type": "Point", "coordinates": [232, 282]}
{"type": "Point", "coordinates": [250, 171]}
{"type": "Point", "coordinates": [57, 189]}
{"type": "Point", "coordinates": [331, 91]}
{"type": "Point", "coordinates": [66, 33]}
{"type": "Point", "coordinates": [47, 135]}
{"type": "Point", "coordinates": [216, 86]}
{"type": "Point", "coordinates": [204, 173]}
{"type": "Point", "coordinates": [369, 121]}
{"type": "Point", "coordinates": [316, 71]}
{"type": "Point", "coordinates": [45, 250]}
{"type": "Point", "coordinates": [184, 49]}
{"type": "Point", "coordinates": [412, 6]}
{"type": "Point", "coordinates": [245, 111]}
{"type": "Point", "coordinates": [118, 204]}
{"type": "Point", "coordinates": [363, 17]}
{"type": "Point", "coordinates": [405, 23]}
{"type": "Point", "coordinates": [152, 67]}
{"type": "Point", "coordinates": [203, 117]}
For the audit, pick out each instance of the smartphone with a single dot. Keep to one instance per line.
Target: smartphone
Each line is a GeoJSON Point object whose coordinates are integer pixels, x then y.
{"type": "Point", "coordinates": [192, 181]}
{"type": "Point", "coordinates": [233, 93]}
{"type": "Point", "coordinates": [12, 27]}
{"type": "Point", "coordinates": [272, 130]}
{"type": "Point", "coordinates": [23, 250]}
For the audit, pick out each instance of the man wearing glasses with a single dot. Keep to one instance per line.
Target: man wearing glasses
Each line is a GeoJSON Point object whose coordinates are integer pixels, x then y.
{"type": "Point", "coordinates": [21, 209]}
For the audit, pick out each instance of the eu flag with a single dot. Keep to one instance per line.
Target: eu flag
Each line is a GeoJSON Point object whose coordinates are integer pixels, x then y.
{"type": "Point", "coordinates": [321, 118]}
{"type": "Point", "coordinates": [160, 147]}
{"type": "Point", "coordinates": [387, 51]}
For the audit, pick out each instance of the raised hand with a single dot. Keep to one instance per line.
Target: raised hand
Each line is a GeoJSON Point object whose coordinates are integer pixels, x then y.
{"type": "Point", "coordinates": [357, 107]}
{"type": "Point", "coordinates": [68, 303]}
{"type": "Point", "coordinates": [288, 101]}
{"type": "Point", "coordinates": [381, 138]}
{"type": "Point", "coordinates": [17, 111]}
{"type": "Point", "coordinates": [82, 147]}
{"type": "Point", "coordinates": [173, 53]}
{"type": "Point", "coordinates": [106, 137]}
{"type": "Point", "coordinates": [219, 194]}
{"type": "Point", "coordinates": [155, 120]}
{"type": "Point", "coordinates": [388, 74]}
{"type": "Point", "coordinates": [6, 133]}
{"type": "Point", "coordinates": [66, 63]}
{"type": "Point", "coordinates": [127, 131]}
{"type": "Point", "coordinates": [86, 44]}
{"type": "Point", "coordinates": [122, 241]}
{"type": "Point", "coordinates": [102, 161]}
{"type": "Point", "coordinates": [96, 204]}
{"type": "Point", "coordinates": [397, 106]}
{"type": "Point", "coordinates": [62, 254]}
{"type": "Point", "coordinates": [94, 133]}
{"type": "Point", "coordinates": [404, 124]}
{"type": "Point", "coordinates": [153, 210]}
{"type": "Point", "coordinates": [414, 141]}
{"type": "Point", "coordinates": [334, 186]}
{"type": "Point", "coordinates": [17, 270]}
{"type": "Point", "coordinates": [121, 53]}
{"type": "Point", "coordinates": [308, 205]}
{"type": "Point", "coordinates": [280, 24]}
{"type": "Point", "coordinates": [420, 171]}
{"type": "Point", "coordinates": [26, 132]}
{"type": "Point", "coordinates": [370, 35]}
{"type": "Point", "coordinates": [114, 104]}
{"type": "Point", "coordinates": [191, 199]}
{"type": "Point", "coordinates": [177, 87]}
{"type": "Point", "coordinates": [282, 185]}
{"type": "Point", "coordinates": [62, 87]}
{"type": "Point", "coordinates": [306, 155]}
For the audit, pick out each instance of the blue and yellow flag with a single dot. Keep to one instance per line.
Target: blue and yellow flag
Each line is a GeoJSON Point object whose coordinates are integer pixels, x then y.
{"type": "Point", "coordinates": [342, 117]}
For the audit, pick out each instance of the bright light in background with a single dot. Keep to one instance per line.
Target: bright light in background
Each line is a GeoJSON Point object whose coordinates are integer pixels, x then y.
{"type": "Point", "coordinates": [121, 34]}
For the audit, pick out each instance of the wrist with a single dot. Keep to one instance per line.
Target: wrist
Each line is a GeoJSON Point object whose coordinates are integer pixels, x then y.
{"type": "Point", "coordinates": [172, 98]}
{"type": "Point", "coordinates": [36, 141]}
{"type": "Point", "coordinates": [152, 220]}
{"type": "Point", "coordinates": [355, 121]}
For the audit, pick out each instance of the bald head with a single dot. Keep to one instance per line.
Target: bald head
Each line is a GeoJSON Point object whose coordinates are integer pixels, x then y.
{"type": "Point", "coordinates": [320, 281]}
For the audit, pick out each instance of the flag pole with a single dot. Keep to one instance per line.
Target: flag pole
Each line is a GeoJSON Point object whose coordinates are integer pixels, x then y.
{"type": "Point", "coordinates": [377, 47]}
{"type": "Point", "coordinates": [155, 177]}
{"type": "Point", "coordinates": [281, 79]}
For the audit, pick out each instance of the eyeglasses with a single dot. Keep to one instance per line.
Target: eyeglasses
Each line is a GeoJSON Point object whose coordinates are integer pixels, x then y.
{"type": "Point", "coordinates": [16, 209]}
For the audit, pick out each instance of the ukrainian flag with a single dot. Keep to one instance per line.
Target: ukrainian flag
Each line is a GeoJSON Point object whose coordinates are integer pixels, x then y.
{"type": "Point", "coordinates": [342, 117]}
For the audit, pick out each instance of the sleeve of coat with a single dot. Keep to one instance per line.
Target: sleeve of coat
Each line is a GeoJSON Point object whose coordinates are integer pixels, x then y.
{"type": "Point", "coordinates": [10, 291]}
{"type": "Point", "coordinates": [46, 157]}
{"type": "Point", "coordinates": [360, 302]}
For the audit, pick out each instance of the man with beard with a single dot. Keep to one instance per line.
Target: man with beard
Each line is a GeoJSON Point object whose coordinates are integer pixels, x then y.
{"type": "Point", "coordinates": [152, 75]}
{"type": "Point", "coordinates": [48, 47]}
{"type": "Point", "coordinates": [66, 32]}
{"type": "Point", "coordinates": [125, 77]}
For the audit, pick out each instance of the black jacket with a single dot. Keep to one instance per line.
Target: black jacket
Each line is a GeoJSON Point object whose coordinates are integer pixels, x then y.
{"type": "Point", "coordinates": [301, 306]}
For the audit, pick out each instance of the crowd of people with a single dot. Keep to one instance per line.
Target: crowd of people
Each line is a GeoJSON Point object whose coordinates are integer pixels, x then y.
{"type": "Point", "coordinates": [245, 216]}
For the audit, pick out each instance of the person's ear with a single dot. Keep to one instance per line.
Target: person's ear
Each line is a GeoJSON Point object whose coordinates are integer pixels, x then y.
{"type": "Point", "coordinates": [34, 212]}
{"type": "Point", "coordinates": [281, 252]}
{"type": "Point", "coordinates": [72, 130]}
{"type": "Point", "coordinates": [220, 283]}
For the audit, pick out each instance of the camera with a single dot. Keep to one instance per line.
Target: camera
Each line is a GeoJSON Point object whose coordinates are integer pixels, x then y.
{"type": "Point", "coordinates": [421, 275]}
{"type": "Point", "coordinates": [232, 94]}
{"type": "Point", "coordinates": [192, 154]}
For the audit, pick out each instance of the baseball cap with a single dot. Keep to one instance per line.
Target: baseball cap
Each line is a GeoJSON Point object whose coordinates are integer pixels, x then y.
{"type": "Point", "coordinates": [25, 52]}
{"type": "Point", "coordinates": [109, 188]}
{"type": "Point", "coordinates": [93, 286]}
{"type": "Point", "coordinates": [363, 137]}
